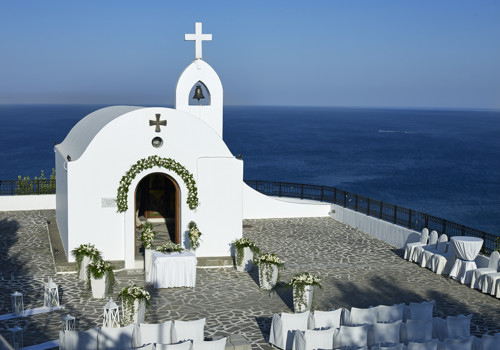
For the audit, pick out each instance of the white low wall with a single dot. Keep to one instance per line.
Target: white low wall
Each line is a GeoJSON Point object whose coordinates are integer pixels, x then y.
{"type": "Point", "coordinates": [392, 234]}
{"type": "Point", "coordinates": [259, 206]}
{"type": "Point", "coordinates": [28, 202]}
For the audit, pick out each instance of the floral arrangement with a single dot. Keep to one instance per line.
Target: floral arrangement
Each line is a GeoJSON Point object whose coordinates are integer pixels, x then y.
{"type": "Point", "coordinates": [148, 163]}
{"type": "Point", "coordinates": [82, 250]}
{"type": "Point", "coordinates": [194, 235]}
{"type": "Point", "coordinates": [269, 258]}
{"type": "Point", "coordinates": [170, 248]}
{"type": "Point", "coordinates": [147, 235]}
{"type": "Point", "coordinates": [241, 243]}
{"type": "Point", "coordinates": [299, 282]}
{"type": "Point", "coordinates": [99, 268]}
{"type": "Point", "coordinates": [129, 295]}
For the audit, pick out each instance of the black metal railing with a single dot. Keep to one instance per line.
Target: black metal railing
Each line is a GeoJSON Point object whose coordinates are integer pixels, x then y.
{"type": "Point", "coordinates": [24, 186]}
{"type": "Point", "coordinates": [388, 212]}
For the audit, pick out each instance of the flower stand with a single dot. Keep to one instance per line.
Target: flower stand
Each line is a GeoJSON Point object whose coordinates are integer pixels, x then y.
{"type": "Point", "coordinates": [302, 300]}
{"type": "Point", "coordinates": [268, 276]}
{"type": "Point", "coordinates": [98, 287]}
{"type": "Point", "coordinates": [135, 315]}
{"type": "Point", "coordinates": [147, 261]}
{"type": "Point", "coordinates": [246, 262]}
{"type": "Point", "coordinates": [82, 274]}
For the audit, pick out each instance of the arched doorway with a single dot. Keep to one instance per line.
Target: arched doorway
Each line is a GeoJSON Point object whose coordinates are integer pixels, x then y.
{"type": "Point", "coordinates": [157, 202]}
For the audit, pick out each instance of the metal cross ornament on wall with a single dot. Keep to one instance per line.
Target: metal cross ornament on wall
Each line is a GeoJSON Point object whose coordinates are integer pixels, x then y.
{"type": "Point", "coordinates": [157, 123]}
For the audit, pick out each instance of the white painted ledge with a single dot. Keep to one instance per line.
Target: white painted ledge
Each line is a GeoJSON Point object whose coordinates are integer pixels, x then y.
{"type": "Point", "coordinates": [28, 202]}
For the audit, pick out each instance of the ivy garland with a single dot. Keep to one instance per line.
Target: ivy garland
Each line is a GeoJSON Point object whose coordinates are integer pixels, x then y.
{"type": "Point", "coordinates": [148, 163]}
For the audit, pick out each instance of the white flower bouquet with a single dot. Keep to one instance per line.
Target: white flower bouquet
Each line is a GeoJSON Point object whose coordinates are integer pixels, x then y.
{"type": "Point", "coordinates": [194, 235]}
{"type": "Point", "coordinates": [147, 235]}
{"type": "Point", "coordinates": [170, 248]}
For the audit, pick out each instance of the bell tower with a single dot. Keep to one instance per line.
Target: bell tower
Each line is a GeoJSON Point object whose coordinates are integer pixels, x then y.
{"type": "Point", "coordinates": [199, 89]}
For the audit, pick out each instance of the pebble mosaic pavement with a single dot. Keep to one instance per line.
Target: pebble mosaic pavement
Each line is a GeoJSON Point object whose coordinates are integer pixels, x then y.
{"type": "Point", "coordinates": [357, 270]}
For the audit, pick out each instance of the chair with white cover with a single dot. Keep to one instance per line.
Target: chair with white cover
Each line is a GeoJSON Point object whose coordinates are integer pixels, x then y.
{"type": "Point", "coordinates": [428, 345]}
{"type": "Point", "coordinates": [219, 344]}
{"type": "Point", "coordinates": [185, 345]}
{"type": "Point", "coordinates": [352, 337]}
{"type": "Point", "coordinates": [489, 342]}
{"type": "Point", "coordinates": [312, 339]}
{"type": "Point", "coordinates": [490, 282]}
{"type": "Point", "coordinates": [78, 340]}
{"type": "Point", "coordinates": [424, 236]}
{"type": "Point", "coordinates": [492, 268]}
{"type": "Point", "coordinates": [441, 246]}
{"type": "Point", "coordinates": [421, 311]}
{"type": "Point", "coordinates": [457, 344]}
{"type": "Point", "coordinates": [188, 330]}
{"type": "Point", "coordinates": [113, 338]}
{"type": "Point", "coordinates": [458, 326]}
{"type": "Point", "coordinates": [157, 333]}
{"type": "Point", "coordinates": [146, 347]}
{"type": "Point", "coordinates": [363, 315]}
{"type": "Point", "coordinates": [387, 333]}
{"type": "Point", "coordinates": [419, 251]}
{"type": "Point", "coordinates": [284, 327]}
{"type": "Point", "coordinates": [442, 263]}
{"type": "Point", "coordinates": [399, 346]}
{"type": "Point", "coordinates": [326, 319]}
{"type": "Point", "coordinates": [419, 331]}
{"type": "Point", "coordinates": [390, 313]}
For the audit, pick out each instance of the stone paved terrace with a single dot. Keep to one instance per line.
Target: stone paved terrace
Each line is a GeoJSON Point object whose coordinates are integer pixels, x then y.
{"type": "Point", "coordinates": [357, 270]}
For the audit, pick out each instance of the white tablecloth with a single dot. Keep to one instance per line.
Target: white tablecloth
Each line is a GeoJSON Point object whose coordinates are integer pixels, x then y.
{"type": "Point", "coordinates": [466, 250]}
{"type": "Point", "coordinates": [172, 270]}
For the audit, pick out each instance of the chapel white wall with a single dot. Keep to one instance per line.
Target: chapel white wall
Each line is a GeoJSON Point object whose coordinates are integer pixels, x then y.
{"type": "Point", "coordinates": [28, 202]}
{"type": "Point", "coordinates": [259, 206]}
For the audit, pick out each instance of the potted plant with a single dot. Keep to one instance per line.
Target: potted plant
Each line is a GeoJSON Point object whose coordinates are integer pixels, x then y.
{"type": "Point", "coordinates": [194, 235]}
{"type": "Point", "coordinates": [147, 238]}
{"type": "Point", "coordinates": [170, 248]}
{"type": "Point", "coordinates": [303, 285]}
{"type": "Point", "coordinates": [269, 265]}
{"type": "Point", "coordinates": [135, 301]}
{"type": "Point", "coordinates": [84, 254]}
{"type": "Point", "coordinates": [244, 251]}
{"type": "Point", "coordinates": [101, 278]}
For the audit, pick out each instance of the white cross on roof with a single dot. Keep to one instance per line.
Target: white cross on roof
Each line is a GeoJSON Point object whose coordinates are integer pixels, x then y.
{"type": "Point", "coordinates": [198, 38]}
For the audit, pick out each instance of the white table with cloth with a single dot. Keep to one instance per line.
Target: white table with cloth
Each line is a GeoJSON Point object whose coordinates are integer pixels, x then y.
{"type": "Point", "coordinates": [466, 250]}
{"type": "Point", "coordinates": [172, 270]}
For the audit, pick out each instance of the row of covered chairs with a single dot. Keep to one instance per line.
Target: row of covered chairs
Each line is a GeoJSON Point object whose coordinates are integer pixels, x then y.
{"type": "Point", "coordinates": [177, 335]}
{"type": "Point", "coordinates": [487, 279]}
{"type": "Point", "coordinates": [393, 327]}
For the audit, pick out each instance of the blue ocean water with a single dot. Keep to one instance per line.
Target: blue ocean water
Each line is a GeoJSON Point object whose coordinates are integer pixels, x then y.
{"type": "Point", "coordinates": [442, 162]}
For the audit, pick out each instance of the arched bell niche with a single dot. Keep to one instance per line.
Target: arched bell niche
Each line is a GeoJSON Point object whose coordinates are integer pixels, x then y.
{"type": "Point", "coordinates": [193, 94]}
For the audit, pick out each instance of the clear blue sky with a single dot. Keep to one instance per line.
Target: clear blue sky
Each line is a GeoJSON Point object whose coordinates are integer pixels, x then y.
{"type": "Point", "coordinates": [424, 53]}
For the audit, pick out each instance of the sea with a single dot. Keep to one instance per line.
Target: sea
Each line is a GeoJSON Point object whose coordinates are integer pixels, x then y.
{"type": "Point", "coordinates": [442, 162]}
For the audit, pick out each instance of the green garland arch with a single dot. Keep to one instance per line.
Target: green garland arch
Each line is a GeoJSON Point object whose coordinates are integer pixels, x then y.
{"type": "Point", "coordinates": [148, 163]}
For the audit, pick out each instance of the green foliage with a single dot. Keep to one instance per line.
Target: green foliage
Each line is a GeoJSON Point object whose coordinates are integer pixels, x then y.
{"type": "Point", "coordinates": [39, 185]}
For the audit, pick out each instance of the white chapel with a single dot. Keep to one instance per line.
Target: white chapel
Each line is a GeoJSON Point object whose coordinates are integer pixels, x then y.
{"type": "Point", "coordinates": [123, 165]}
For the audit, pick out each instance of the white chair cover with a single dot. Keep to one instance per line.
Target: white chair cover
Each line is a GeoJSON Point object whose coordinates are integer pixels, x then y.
{"type": "Point", "coordinates": [283, 328]}
{"type": "Point", "coordinates": [421, 311]}
{"type": "Point", "coordinates": [441, 246]}
{"type": "Point", "coordinates": [457, 344]}
{"type": "Point", "coordinates": [492, 268]}
{"type": "Point", "coordinates": [74, 340]}
{"type": "Point", "coordinates": [112, 338]}
{"type": "Point", "coordinates": [188, 330]}
{"type": "Point", "coordinates": [219, 344]}
{"type": "Point", "coordinates": [400, 346]}
{"type": "Point", "coordinates": [314, 339]}
{"type": "Point", "coordinates": [429, 345]}
{"type": "Point", "coordinates": [185, 345]}
{"type": "Point", "coordinates": [490, 342]}
{"type": "Point", "coordinates": [419, 251]}
{"type": "Point", "coordinates": [458, 326]}
{"type": "Point", "coordinates": [439, 329]}
{"type": "Point", "coordinates": [392, 313]}
{"type": "Point", "coordinates": [441, 263]}
{"type": "Point", "coordinates": [352, 336]}
{"type": "Point", "coordinates": [160, 333]}
{"type": "Point", "coordinates": [417, 331]}
{"type": "Point", "coordinates": [387, 332]}
{"type": "Point", "coordinates": [424, 236]}
{"type": "Point", "coordinates": [490, 283]}
{"type": "Point", "coordinates": [362, 316]}
{"type": "Point", "coordinates": [327, 319]}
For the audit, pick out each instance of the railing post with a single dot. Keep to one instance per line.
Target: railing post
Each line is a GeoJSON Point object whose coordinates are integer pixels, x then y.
{"type": "Point", "coordinates": [355, 202]}
{"type": "Point", "coordinates": [462, 230]}
{"type": "Point", "coordinates": [444, 226]}
{"type": "Point", "coordinates": [280, 190]}
{"type": "Point", "coordinates": [301, 191]}
{"type": "Point", "coordinates": [322, 192]}
{"type": "Point", "coordinates": [409, 219]}
{"type": "Point", "coordinates": [345, 199]}
{"type": "Point", "coordinates": [381, 208]}
{"type": "Point", "coordinates": [335, 195]}
{"type": "Point", "coordinates": [395, 214]}
{"type": "Point", "coordinates": [426, 221]}
{"type": "Point", "coordinates": [368, 206]}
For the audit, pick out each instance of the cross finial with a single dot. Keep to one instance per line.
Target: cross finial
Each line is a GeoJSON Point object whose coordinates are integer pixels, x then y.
{"type": "Point", "coordinates": [198, 38]}
{"type": "Point", "coordinates": [157, 123]}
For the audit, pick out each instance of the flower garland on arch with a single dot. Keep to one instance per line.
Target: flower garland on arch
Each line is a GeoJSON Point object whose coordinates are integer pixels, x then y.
{"type": "Point", "coordinates": [148, 163]}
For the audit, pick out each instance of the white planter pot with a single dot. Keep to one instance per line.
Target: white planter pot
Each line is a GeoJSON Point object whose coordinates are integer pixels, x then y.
{"type": "Point", "coordinates": [268, 276]}
{"type": "Point", "coordinates": [134, 316]}
{"type": "Point", "coordinates": [192, 250]}
{"type": "Point", "coordinates": [303, 302]}
{"type": "Point", "coordinates": [98, 287]}
{"type": "Point", "coordinates": [147, 261]}
{"type": "Point", "coordinates": [82, 274]}
{"type": "Point", "coordinates": [246, 262]}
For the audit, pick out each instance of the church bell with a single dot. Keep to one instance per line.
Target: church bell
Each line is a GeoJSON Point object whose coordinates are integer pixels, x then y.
{"type": "Point", "coordinates": [198, 93]}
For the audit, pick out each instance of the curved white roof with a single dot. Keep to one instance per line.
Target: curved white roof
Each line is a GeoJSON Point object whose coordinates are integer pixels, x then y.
{"type": "Point", "coordinates": [86, 129]}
